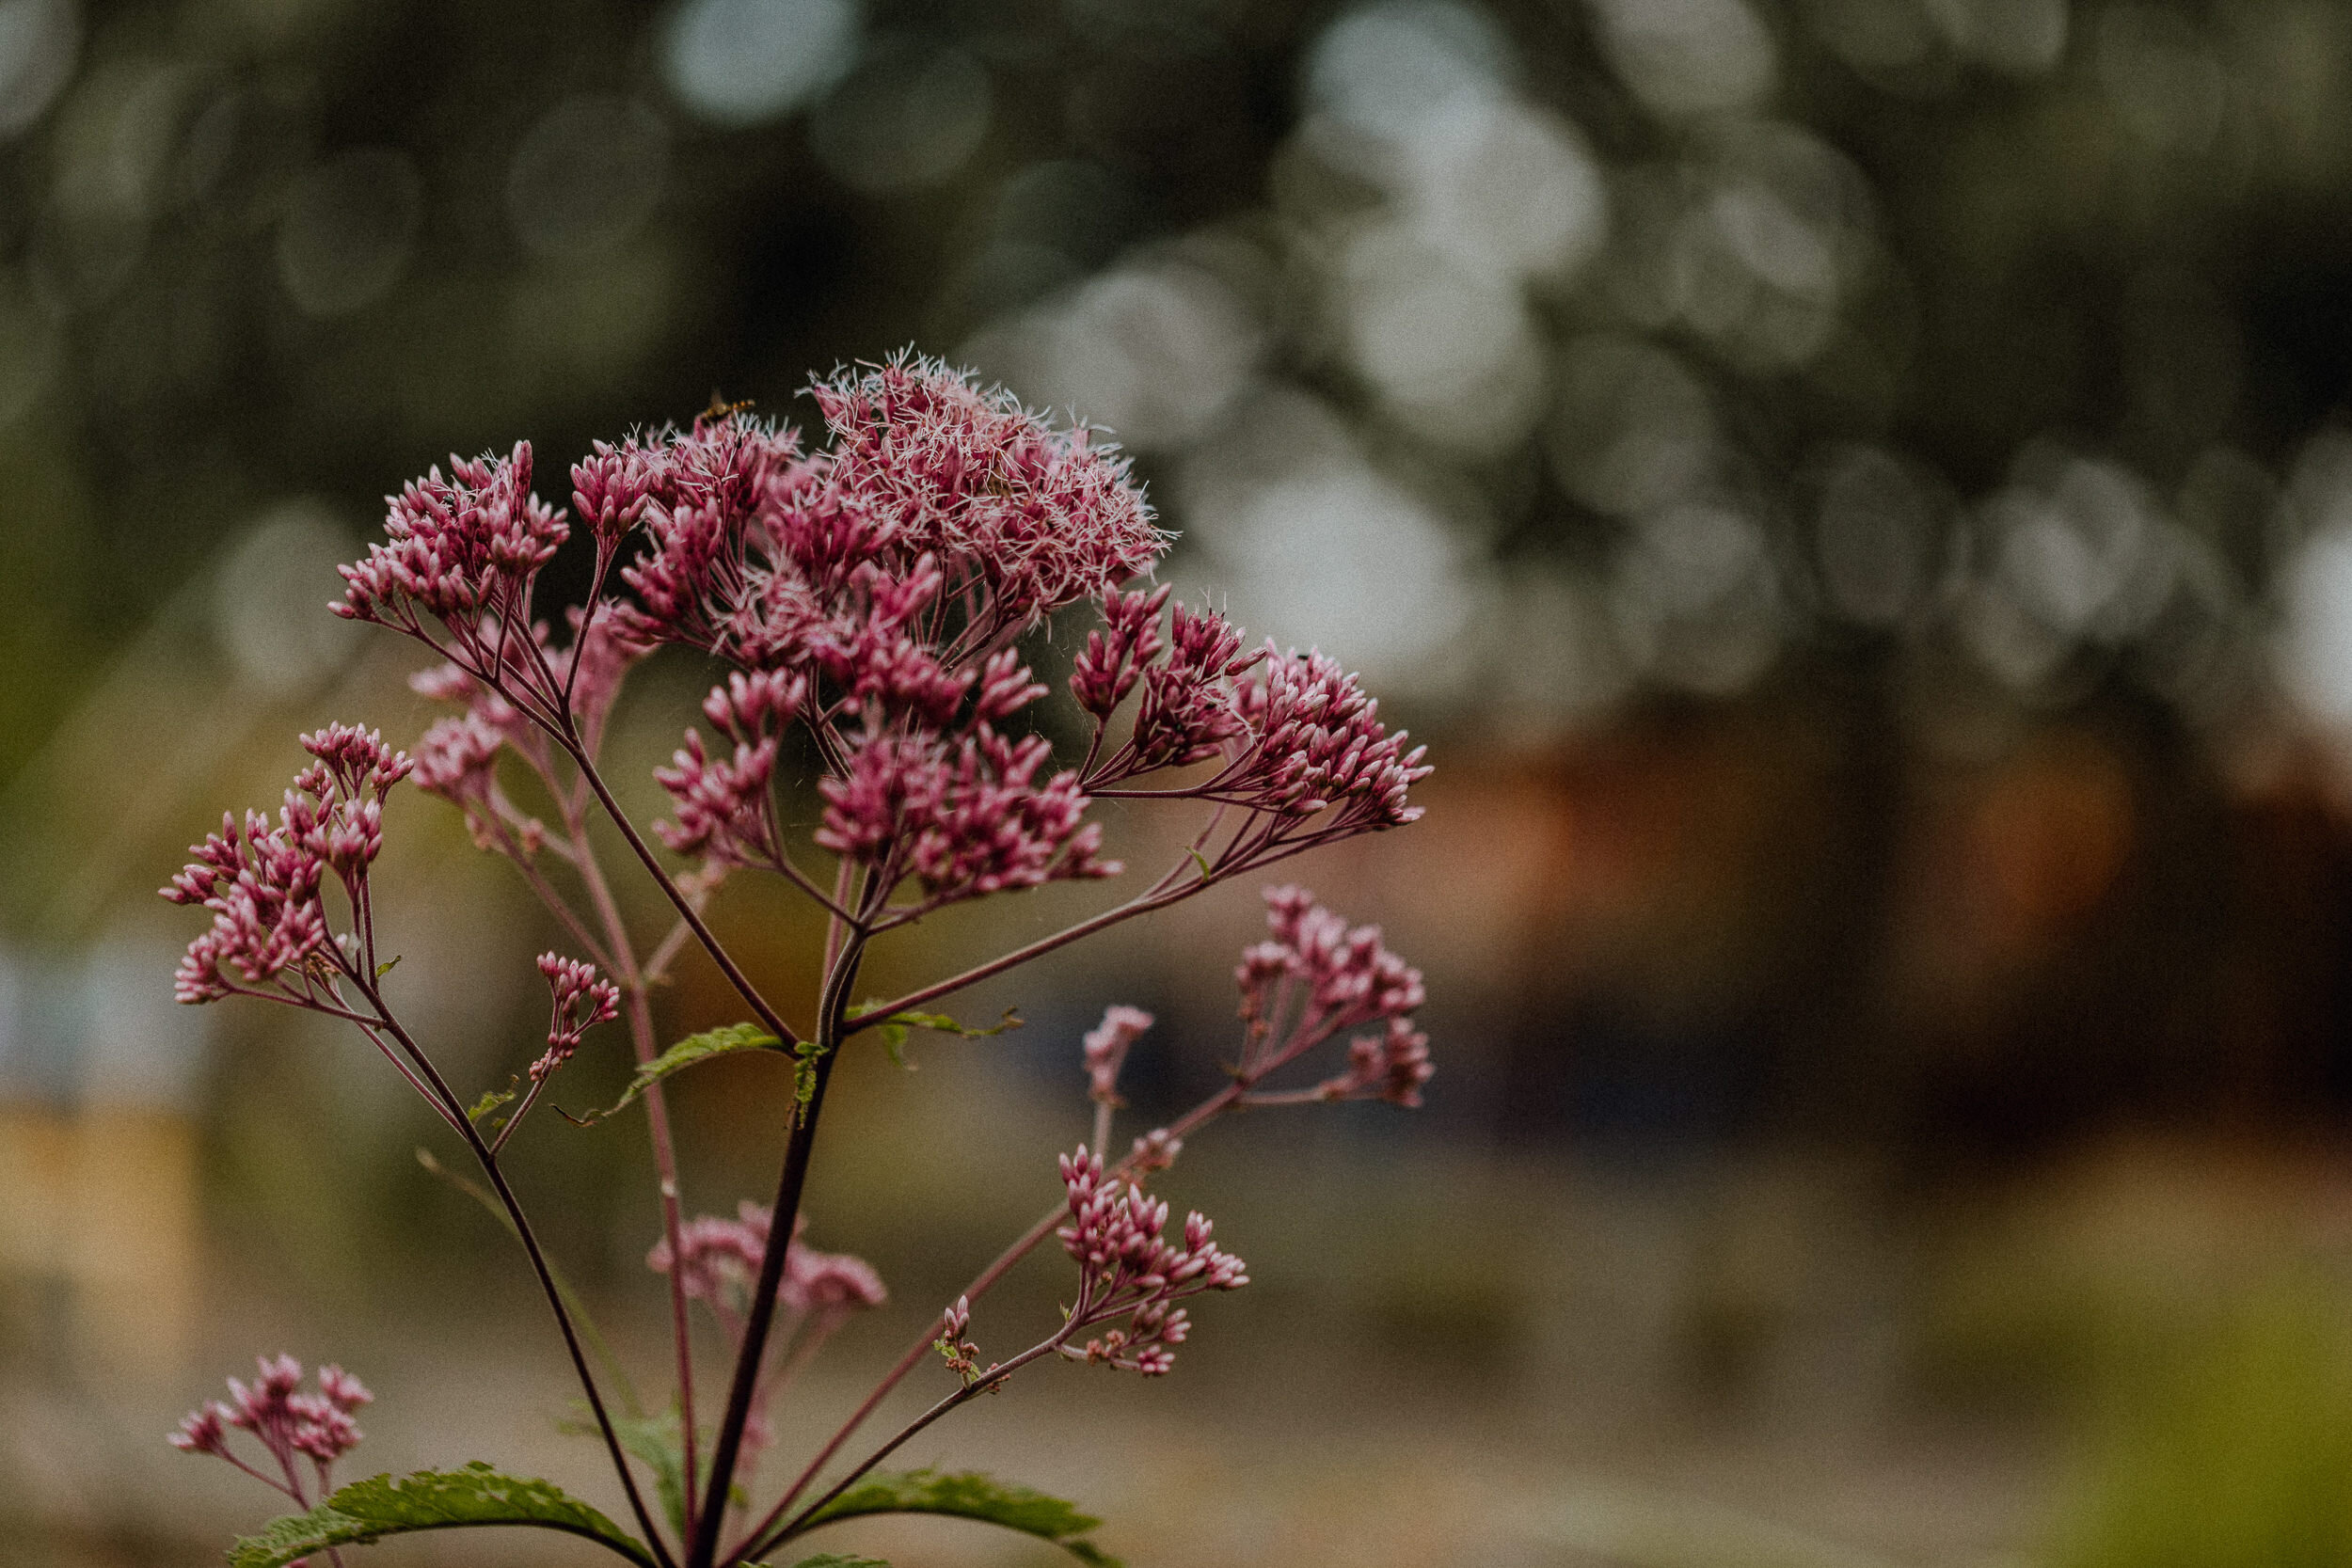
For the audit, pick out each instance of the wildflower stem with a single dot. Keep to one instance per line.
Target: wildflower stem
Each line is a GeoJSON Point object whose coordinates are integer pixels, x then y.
{"type": "Point", "coordinates": [488, 1161]}
{"type": "Point", "coordinates": [642, 1041]}
{"type": "Point", "coordinates": [703, 1550]}
{"type": "Point", "coordinates": [1144, 904]}
{"type": "Point", "coordinates": [1208, 1110]}
{"type": "Point", "coordinates": [719, 955]}
{"type": "Point", "coordinates": [665, 1166]}
{"type": "Point", "coordinates": [986, 1383]}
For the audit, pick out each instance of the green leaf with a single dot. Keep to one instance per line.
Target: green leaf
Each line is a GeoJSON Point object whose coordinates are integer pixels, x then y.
{"type": "Point", "coordinates": [970, 1496]}
{"type": "Point", "coordinates": [894, 1028]}
{"type": "Point", "coordinates": [652, 1439]}
{"type": "Point", "coordinates": [804, 1076]}
{"type": "Point", "coordinates": [834, 1559]}
{"type": "Point", "coordinates": [367, 1511]}
{"type": "Point", "coordinates": [386, 966]}
{"type": "Point", "coordinates": [694, 1048]}
{"type": "Point", "coordinates": [491, 1100]}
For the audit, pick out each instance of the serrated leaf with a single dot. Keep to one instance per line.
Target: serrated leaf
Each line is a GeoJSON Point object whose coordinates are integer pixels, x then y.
{"type": "Point", "coordinates": [367, 1511]}
{"type": "Point", "coordinates": [724, 1041]}
{"type": "Point", "coordinates": [969, 1495]}
{"type": "Point", "coordinates": [894, 1028]}
{"type": "Point", "coordinates": [491, 1100]}
{"type": "Point", "coordinates": [653, 1440]}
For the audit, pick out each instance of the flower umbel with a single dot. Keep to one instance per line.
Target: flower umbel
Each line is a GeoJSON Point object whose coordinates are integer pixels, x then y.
{"type": "Point", "coordinates": [1128, 1268]}
{"type": "Point", "coordinates": [265, 883]}
{"type": "Point", "coordinates": [873, 737]}
{"type": "Point", "coordinates": [289, 1424]}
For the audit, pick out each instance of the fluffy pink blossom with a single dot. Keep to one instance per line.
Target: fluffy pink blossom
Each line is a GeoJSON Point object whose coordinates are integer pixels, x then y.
{"type": "Point", "coordinates": [930, 487]}
{"type": "Point", "coordinates": [1032, 517]}
{"type": "Point", "coordinates": [1127, 1267]}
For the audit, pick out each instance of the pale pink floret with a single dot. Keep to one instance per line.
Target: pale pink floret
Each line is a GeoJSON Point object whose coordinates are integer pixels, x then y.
{"type": "Point", "coordinates": [724, 1258]}
{"type": "Point", "coordinates": [1127, 1268]}
{"type": "Point", "coordinates": [1107, 1046]}
{"type": "Point", "coordinates": [457, 759]}
{"type": "Point", "coordinates": [1391, 1066]}
{"type": "Point", "coordinates": [723, 802]}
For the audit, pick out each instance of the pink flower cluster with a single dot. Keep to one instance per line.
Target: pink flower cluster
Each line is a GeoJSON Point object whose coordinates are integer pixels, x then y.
{"type": "Point", "coordinates": [768, 557]}
{"type": "Point", "coordinates": [870, 590]}
{"type": "Point", "coordinates": [264, 883]}
{"type": "Point", "coordinates": [722, 1259]}
{"type": "Point", "coordinates": [1302, 746]}
{"type": "Point", "coordinates": [289, 1422]}
{"type": "Point", "coordinates": [457, 548]}
{"type": "Point", "coordinates": [724, 809]}
{"type": "Point", "coordinates": [882, 576]}
{"type": "Point", "coordinates": [581, 999]}
{"type": "Point", "coordinates": [1128, 1268]}
{"type": "Point", "coordinates": [1316, 978]}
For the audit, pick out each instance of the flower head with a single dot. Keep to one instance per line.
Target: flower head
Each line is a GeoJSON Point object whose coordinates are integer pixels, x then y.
{"type": "Point", "coordinates": [287, 1421]}
{"type": "Point", "coordinates": [1127, 1267]}
{"type": "Point", "coordinates": [928, 484]}
{"type": "Point", "coordinates": [263, 882]}
{"type": "Point", "coordinates": [722, 1260]}
{"type": "Point", "coordinates": [965, 818]}
{"type": "Point", "coordinates": [581, 999]}
{"type": "Point", "coordinates": [456, 546]}
{"type": "Point", "coordinates": [1316, 977]}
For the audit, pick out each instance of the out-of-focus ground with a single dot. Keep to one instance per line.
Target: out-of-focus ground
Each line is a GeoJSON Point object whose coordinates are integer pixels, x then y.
{"type": "Point", "coordinates": [1856, 495]}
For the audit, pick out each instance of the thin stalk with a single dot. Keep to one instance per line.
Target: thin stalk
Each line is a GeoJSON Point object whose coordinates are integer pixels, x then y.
{"type": "Point", "coordinates": [986, 1383]}
{"type": "Point", "coordinates": [704, 1549]}
{"type": "Point", "coordinates": [642, 1041]}
{"type": "Point", "coordinates": [719, 955]}
{"type": "Point", "coordinates": [1227, 1099]}
{"type": "Point", "coordinates": [1144, 904]}
{"type": "Point", "coordinates": [488, 1161]}
{"type": "Point", "coordinates": [673, 1228]}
